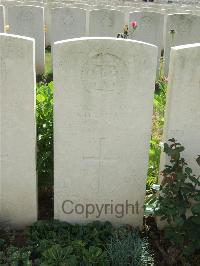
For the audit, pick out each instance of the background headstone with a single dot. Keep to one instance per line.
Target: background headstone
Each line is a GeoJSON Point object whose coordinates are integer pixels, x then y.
{"type": "Point", "coordinates": [102, 125]}
{"type": "Point", "coordinates": [106, 23]}
{"type": "Point", "coordinates": [1, 19]}
{"type": "Point", "coordinates": [18, 184]}
{"type": "Point", "coordinates": [182, 119]}
{"type": "Point", "coordinates": [67, 23]}
{"type": "Point", "coordinates": [150, 28]}
{"type": "Point", "coordinates": [47, 18]}
{"type": "Point", "coordinates": [8, 4]}
{"type": "Point", "coordinates": [180, 29]}
{"type": "Point", "coordinates": [29, 21]}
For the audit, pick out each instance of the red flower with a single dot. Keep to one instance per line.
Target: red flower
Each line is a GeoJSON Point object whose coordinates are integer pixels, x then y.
{"type": "Point", "coordinates": [133, 24]}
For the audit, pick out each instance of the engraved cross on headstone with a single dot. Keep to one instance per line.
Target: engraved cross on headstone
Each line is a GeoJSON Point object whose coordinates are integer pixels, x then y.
{"type": "Point", "coordinates": [101, 159]}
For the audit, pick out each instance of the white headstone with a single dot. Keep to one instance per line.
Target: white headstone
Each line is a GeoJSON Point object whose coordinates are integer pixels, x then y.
{"type": "Point", "coordinates": [102, 127]}
{"type": "Point", "coordinates": [47, 18]}
{"type": "Point", "coordinates": [1, 19]}
{"type": "Point", "coordinates": [150, 28]}
{"type": "Point", "coordinates": [29, 21]}
{"type": "Point", "coordinates": [180, 29]}
{"type": "Point", "coordinates": [182, 120]}
{"type": "Point", "coordinates": [35, 3]}
{"type": "Point", "coordinates": [67, 23]}
{"type": "Point", "coordinates": [18, 184]}
{"type": "Point", "coordinates": [82, 5]}
{"type": "Point", "coordinates": [106, 23]}
{"type": "Point", "coordinates": [8, 4]}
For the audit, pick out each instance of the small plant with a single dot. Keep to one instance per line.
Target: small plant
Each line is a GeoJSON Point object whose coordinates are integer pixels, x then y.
{"type": "Point", "coordinates": [128, 30]}
{"type": "Point", "coordinates": [15, 256]}
{"type": "Point", "coordinates": [58, 255]}
{"type": "Point", "coordinates": [179, 202]}
{"type": "Point", "coordinates": [94, 256]}
{"type": "Point", "coordinates": [172, 34]}
{"type": "Point", "coordinates": [125, 248]}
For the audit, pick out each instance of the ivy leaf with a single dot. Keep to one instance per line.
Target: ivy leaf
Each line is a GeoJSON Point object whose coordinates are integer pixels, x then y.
{"type": "Point", "coordinates": [194, 180]}
{"type": "Point", "coordinates": [198, 160]}
{"type": "Point", "coordinates": [197, 197]}
{"type": "Point", "coordinates": [195, 219]}
{"type": "Point", "coordinates": [196, 209]}
{"type": "Point", "coordinates": [180, 149]}
{"type": "Point", "coordinates": [188, 170]}
{"type": "Point", "coordinates": [40, 98]}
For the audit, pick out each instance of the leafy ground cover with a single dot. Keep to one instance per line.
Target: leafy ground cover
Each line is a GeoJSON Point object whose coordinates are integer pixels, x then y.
{"type": "Point", "coordinates": [59, 243]}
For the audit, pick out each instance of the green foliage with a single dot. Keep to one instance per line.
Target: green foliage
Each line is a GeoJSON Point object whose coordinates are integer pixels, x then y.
{"type": "Point", "coordinates": [48, 61]}
{"type": "Point", "coordinates": [44, 116]}
{"type": "Point", "coordinates": [94, 256]}
{"type": "Point", "coordinates": [72, 244]}
{"type": "Point", "coordinates": [95, 233]}
{"type": "Point", "coordinates": [14, 256]}
{"type": "Point", "coordinates": [154, 162]}
{"type": "Point", "coordinates": [58, 255]}
{"type": "Point", "coordinates": [158, 122]}
{"type": "Point", "coordinates": [59, 243]}
{"type": "Point", "coordinates": [155, 149]}
{"type": "Point", "coordinates": [159, 106]}
{"type": "Point", "coordinates": [125, 248]}
{"type": "Point", "coordinates": [179, 201]}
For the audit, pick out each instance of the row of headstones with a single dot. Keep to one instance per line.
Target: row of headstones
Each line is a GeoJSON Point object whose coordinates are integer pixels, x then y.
{"type": "Point", "coordinates": [123, 8]}
{"type": "Point", "coordinates": [153, 27]}
{"type": "Point", "coordinates": [115, 4]}
{"type": "Point", "coordinates": [90, 2]}
{"type": "Point", "coordinates": [155, 3]}
{"type": "Point", "coordinates": [103, 102]}
{"type": "Point", "coordinates": [177, 1]}
{"type": "Point", "coordinates": [135, 3]}
{"type": "Point", "coordinates": [121, 2]}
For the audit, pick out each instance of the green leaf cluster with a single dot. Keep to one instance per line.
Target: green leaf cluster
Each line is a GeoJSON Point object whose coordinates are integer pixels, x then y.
{"type": "Point", "coordinates": [44, 117]}
{"type": "Point", "coordinates": [157, 130]}
{"type": "Point", "coordinates": [53, 243]}
{"type": "Point", "coordinates": [179, 201]}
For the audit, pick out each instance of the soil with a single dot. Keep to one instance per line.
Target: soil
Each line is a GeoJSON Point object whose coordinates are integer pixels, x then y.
{"type": "Point", "coordinates": [45, 203]}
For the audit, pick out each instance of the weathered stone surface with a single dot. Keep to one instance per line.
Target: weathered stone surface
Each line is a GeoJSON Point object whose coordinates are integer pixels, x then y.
{"type": "Point", "coordinates": [106, 23]}
{"type": "Point", "coordinates": [47, 18]}
{"type": "Point", "coordinates": [67, 23]}
{"type": "Point", "coordinates": [1, 19]}
{"type": "Point", "coordinates": [180, 29]}
{"type": "Point", "coordinates": [102, 126]}
{"type": "Point", "coordinates": [150, 29]}
{"type": "Point", "coordinates": [29, 21]}
{"type": "Point", "coordinates": [182, 120]}
{"type": "Point", "coordinates": [18, 184]}
{"type": "Point", "coordinates": [8, 4]}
